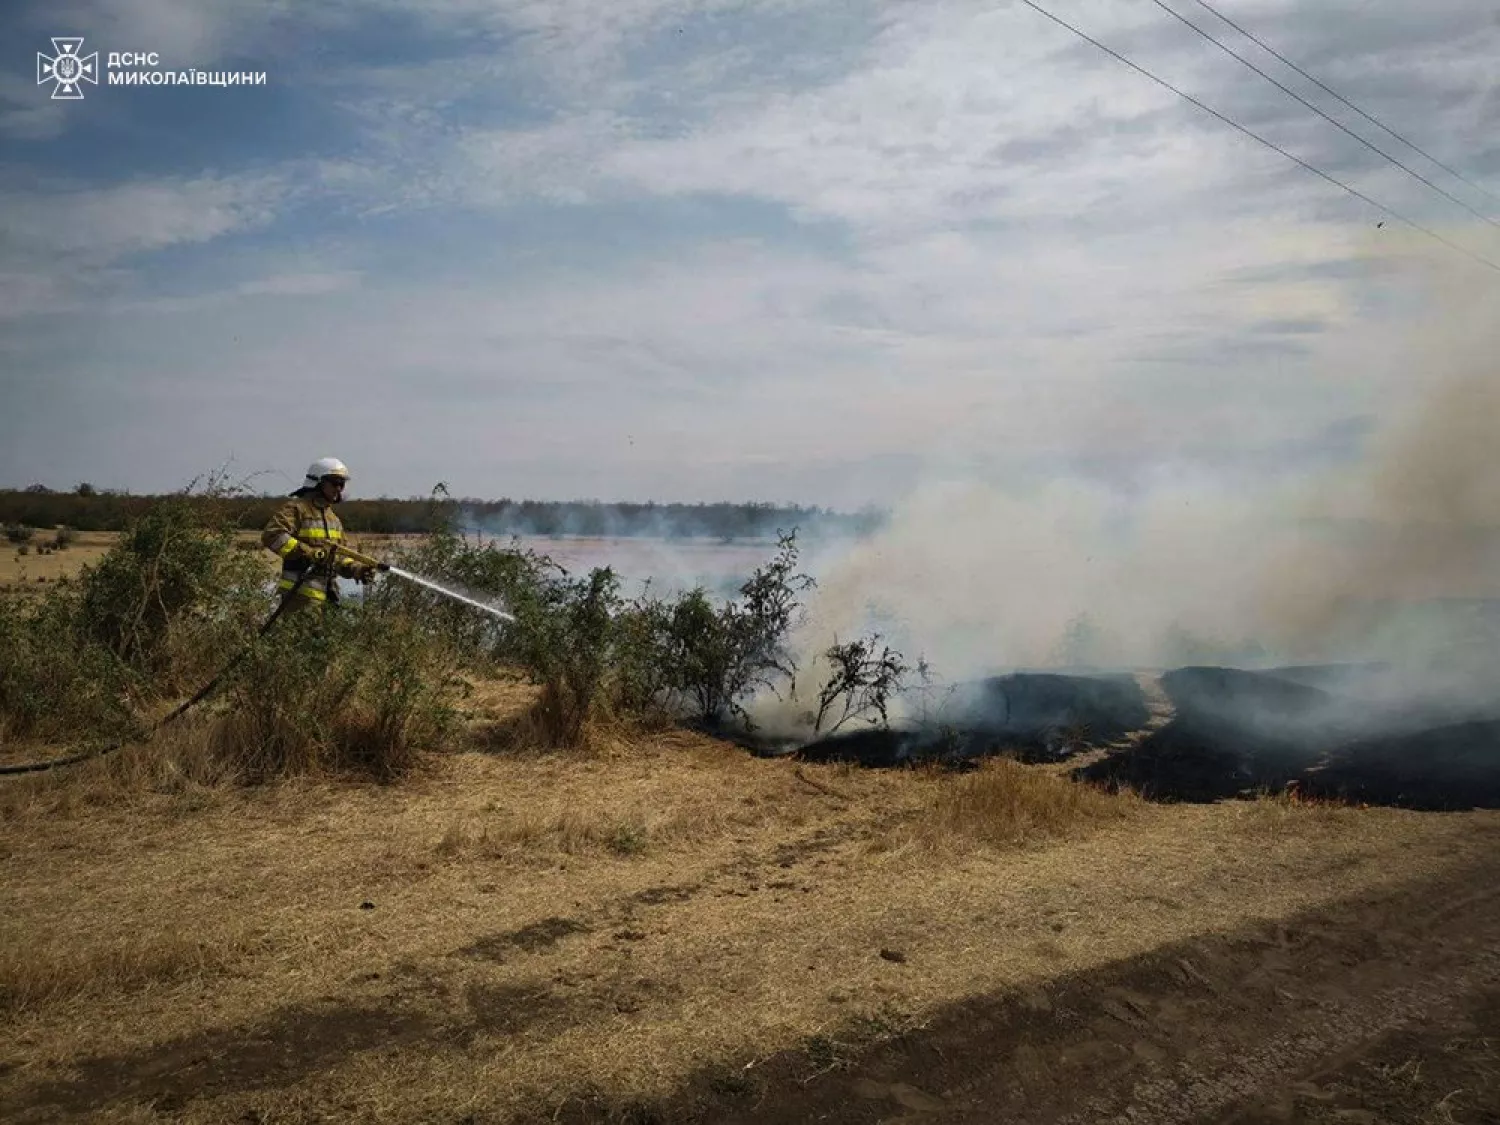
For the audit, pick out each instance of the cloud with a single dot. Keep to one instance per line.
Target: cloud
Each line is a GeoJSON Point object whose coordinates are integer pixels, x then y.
{"type": "Point", "coordinates": [23, 115]}
{"type": "Point", "coordinates": [950, 113]}
{"type": "Point", "coordinates": [963, 115]}
{"type": "Point", "coordinates": [299, 284]}
{"type": "Point", "coordinates": [68, 246]}
{"type": "Point", "coordinates": [726, 360]}
{"type": "Point", "coordinates": [184, 33]}
{"type": "Point", "coordinates": [567, 245]}
{"type": "Point", "coordinates": [146, 215]}
{"type": "Point", "coordinates": [554, 162]}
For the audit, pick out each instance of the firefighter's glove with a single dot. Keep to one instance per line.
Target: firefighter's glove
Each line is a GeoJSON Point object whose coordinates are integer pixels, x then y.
{"type": "Point", "coordinates": [365, 575]}
{"type": "Point", "coordinates": [319, 556]}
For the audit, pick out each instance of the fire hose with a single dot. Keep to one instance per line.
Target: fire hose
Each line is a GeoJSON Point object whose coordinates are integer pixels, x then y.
{"type": "Point", "coordinates": [325, 555]}
{"type": "Point", "coordinates": [321, 557]}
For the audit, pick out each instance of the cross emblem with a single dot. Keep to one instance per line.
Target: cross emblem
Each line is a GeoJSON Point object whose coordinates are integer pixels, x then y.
{"type": "Point", "coordinates": [67, 69]}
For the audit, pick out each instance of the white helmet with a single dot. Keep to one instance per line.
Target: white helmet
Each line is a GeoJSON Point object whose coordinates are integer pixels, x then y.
{"type": "Point", "coordinates": [325, 467]}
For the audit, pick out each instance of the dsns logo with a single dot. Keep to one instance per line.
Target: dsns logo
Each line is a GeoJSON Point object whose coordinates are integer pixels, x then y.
{"type": "Point", "coordinates": [67, 69]}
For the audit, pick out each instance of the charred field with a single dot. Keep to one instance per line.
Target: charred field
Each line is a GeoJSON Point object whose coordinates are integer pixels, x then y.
{"type": "Point", "coordinates": [1343, 732]}
{"type": "Point", "coordinates": [1334, 732]}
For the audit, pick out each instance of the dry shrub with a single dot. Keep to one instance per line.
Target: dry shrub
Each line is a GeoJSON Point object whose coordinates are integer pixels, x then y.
{"type": "Point", "coordinates": [518, 735]}
{"type": "Point", "coordinates": [1004, 803]}
{"type": "Point", "coordinates": [560, 716]}
{"type": "Point", "coordinates": [533, 731]}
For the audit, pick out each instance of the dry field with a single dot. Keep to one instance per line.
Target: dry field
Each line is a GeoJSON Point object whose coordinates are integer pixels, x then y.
{"type": "Point", "coordinates": [34, 570]}
{"type": "Point", "coordinates": [664, 929]}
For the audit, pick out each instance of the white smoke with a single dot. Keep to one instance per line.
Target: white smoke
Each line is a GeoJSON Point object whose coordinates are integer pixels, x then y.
{"type": "Point", "coordinates": [1343, 564]}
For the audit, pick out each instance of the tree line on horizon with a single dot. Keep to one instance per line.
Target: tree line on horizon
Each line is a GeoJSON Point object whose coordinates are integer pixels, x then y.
{"type": "Point", "coordinates": [87, 508]}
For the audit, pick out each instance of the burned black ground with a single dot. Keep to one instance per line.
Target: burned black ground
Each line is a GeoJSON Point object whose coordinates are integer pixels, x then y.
{"type": "Point", "coordinates": [1237, 733]}
{"type": "Point", "coordinates": [1035, 716]}
{"type": "Point", "coordinates": [1349, 732]}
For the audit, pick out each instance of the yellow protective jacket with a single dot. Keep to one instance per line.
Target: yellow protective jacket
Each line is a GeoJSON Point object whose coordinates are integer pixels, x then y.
{"type": "Point", "coordinates": [302, 523]}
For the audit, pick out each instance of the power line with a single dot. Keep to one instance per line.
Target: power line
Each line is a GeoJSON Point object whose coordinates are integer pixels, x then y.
{"type": "Point", "coordinates": [1272, 145]}
{"type": "Point", "coordinates": [1288, 90]}
{"type": "Point", "coordinates": [1454, 172]}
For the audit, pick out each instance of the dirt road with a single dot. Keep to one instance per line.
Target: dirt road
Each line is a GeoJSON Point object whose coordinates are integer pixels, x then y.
{"type": "Point", "coordinates": [1376, 1011]}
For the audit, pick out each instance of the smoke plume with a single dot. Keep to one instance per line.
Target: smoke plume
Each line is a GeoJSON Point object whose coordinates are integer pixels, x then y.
{"type": "Point", "coordinates": [1372, 560]}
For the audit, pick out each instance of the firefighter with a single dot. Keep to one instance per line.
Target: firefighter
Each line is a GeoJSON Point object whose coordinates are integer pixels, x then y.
{"type": "Point", "coordinates": [304, 531]}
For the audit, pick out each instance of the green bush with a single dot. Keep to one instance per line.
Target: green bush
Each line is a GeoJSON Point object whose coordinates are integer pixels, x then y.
{"type": "Point", "coordinates": [152, 617]}
{"type": "Point", "coordinates": [588, 648]}
{"type": "Point", "coordinates": [687, 656]}
{"type": "Point", "coordinates": [715, 657]}
{"type": "Point", "coordinates": [172, 574]}
{"type": "Point", "coordinates": [64, 538]}
{"type": "Point", "coordinates": [645, 681]}
{"type": "Point", "coordinates": [55, 681]}
{"type": "Point", "coordinates": [406, 700]}
{"type": "Point", "coordinates": [163, 611]}
{"type": "Point", "coordinates": [481, 570]}
{"type": "Point", "coordinates": [18, 533]}
{"type": "Point", "coordinates": [363, 691]}
{"type": "Point", "coordinates": [567, 636]}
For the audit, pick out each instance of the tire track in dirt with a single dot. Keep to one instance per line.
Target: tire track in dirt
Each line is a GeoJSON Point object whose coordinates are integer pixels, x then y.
{"type": "Point", "coordinates": [288, 1045]}
{"type": "Point", "coordinates": [1440, 1071]}
{"type": "Point", "coordinates": [1332, 1038]}
{"type": "Point", "coordinates": [1186, 1033]}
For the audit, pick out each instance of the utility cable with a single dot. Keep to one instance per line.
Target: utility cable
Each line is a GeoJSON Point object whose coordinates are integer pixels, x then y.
{"type": "Point", "coordinates": [1327, 89]}
{"type": "Point", "coordinates": [1261, 140]}
{"type": "Point", "coordinates": [1232, 53]}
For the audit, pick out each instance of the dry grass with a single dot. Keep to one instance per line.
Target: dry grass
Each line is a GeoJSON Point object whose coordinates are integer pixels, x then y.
{"type": "Point", "coordinates": [519, 927]}
{"type": "Point", "coordinates": [32, 979]}
{"type": "Point", "coordinates": [515, 718]}
{"type": "Point", "coordinates": [36, 569]}
{"type": "Point", "coordinates": [568, 833]}
{"type": "Point", "coordinates": [1005, 804]}
{"type": "Point", "coordinates": [647, 814]}
{"type": "Point", "coordinates": [194, 764]}
{"type": "Point", "coordinates": [178, 768]}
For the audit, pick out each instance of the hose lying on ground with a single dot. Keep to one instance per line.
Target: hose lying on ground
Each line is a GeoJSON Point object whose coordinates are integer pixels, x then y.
{"type": "Point", "coordinates": [176, 713]}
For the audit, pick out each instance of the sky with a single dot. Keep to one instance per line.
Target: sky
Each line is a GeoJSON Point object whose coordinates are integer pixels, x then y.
{"type": "Point", "coordinates": [699, 250]}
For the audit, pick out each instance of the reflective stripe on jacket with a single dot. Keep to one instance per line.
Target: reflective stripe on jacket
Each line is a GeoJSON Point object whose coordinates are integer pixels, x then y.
{"type": "Point", "coordinates": [307, 522]}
